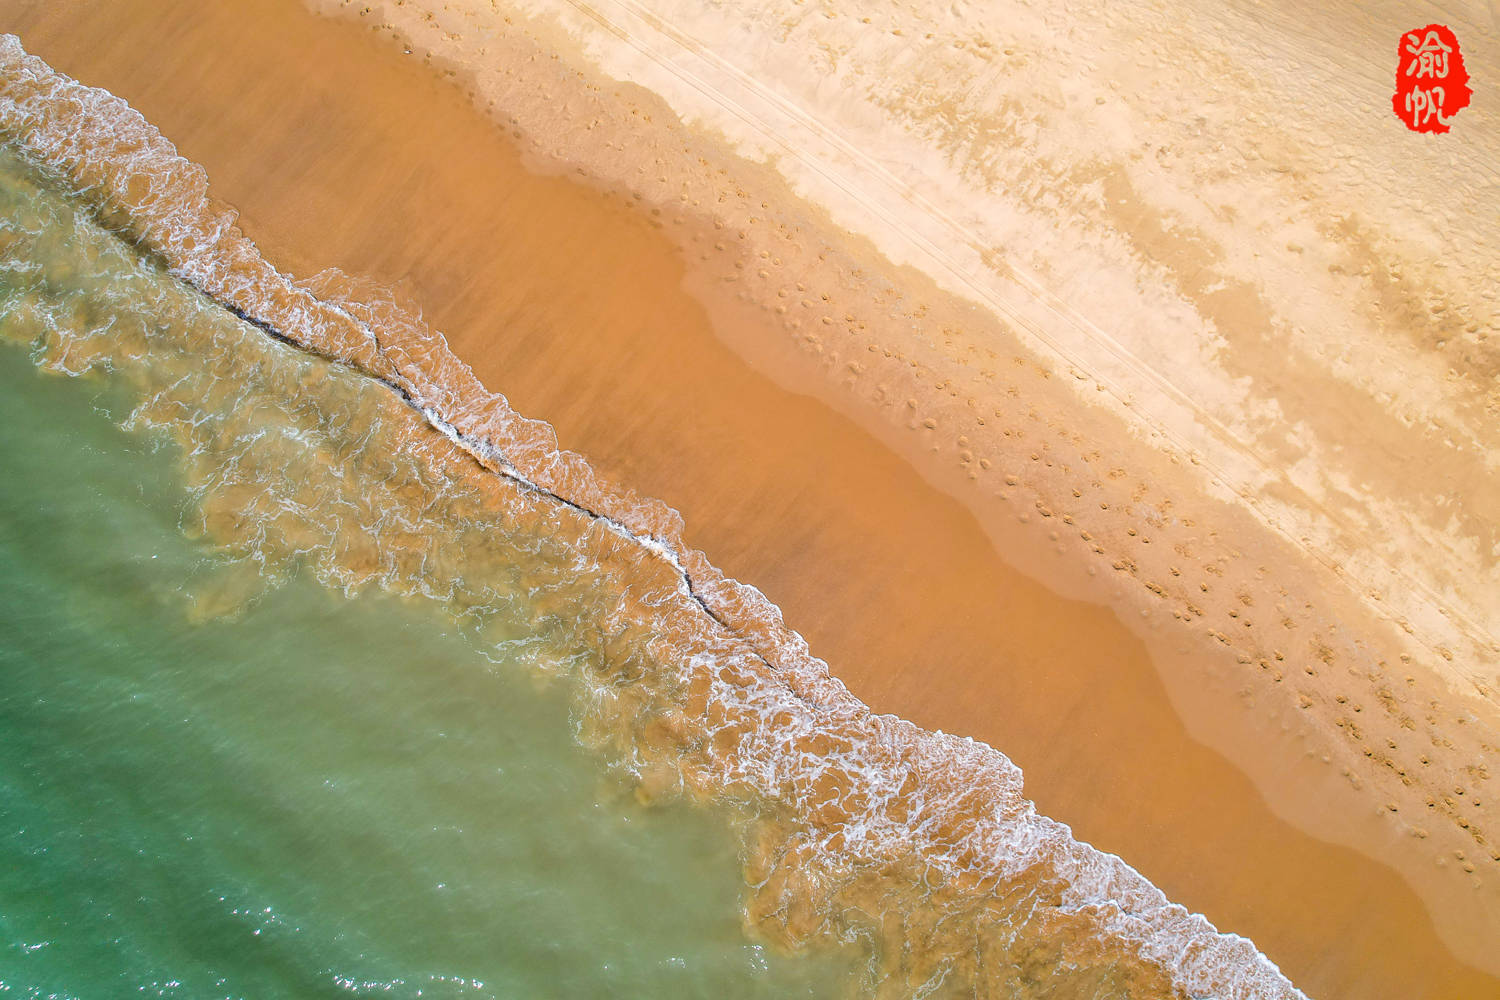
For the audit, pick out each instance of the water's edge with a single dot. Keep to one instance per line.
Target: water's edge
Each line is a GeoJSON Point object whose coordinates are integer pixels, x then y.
{"type": "Point", "coordinates": [909, 801]}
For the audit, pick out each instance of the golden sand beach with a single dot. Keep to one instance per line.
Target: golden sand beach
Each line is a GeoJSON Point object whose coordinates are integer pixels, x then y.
{"type": "Point", "coordinates": [1224, 586]}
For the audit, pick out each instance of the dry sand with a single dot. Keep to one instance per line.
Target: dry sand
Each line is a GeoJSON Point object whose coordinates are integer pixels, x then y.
{"type": "Point", "coordinates": [628, 323]}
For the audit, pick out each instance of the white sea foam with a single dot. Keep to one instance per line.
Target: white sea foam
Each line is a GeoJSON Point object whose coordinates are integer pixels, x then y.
{"type": "Point", "coordinates": [921, 841]}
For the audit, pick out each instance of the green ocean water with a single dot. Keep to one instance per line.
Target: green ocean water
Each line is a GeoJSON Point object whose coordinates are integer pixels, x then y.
{"type": "Point", "coordinates": [318, 796]}
{"type": "Point", "coordinates": [303, 635]}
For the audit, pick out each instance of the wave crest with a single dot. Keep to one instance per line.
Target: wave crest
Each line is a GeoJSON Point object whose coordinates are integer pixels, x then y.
{"type": "Point", "coordinates": [353, 441]}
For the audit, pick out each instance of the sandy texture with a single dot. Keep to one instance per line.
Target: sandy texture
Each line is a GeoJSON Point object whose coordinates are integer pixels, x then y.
{"type": "Point", "coordinates": [1204, 209]}
{"type": "Point", "coordinates": [539, 280]}
{"type": "Point", "coordinates": [1228, 431]}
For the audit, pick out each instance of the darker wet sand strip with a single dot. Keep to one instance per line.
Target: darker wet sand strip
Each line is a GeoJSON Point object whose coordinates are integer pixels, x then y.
{"type": "Point", "coordinates": [340, 152]}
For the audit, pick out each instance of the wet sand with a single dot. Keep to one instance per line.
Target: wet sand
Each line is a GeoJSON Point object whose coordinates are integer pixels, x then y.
{"type": "Point", "coordinates": [573, 303]}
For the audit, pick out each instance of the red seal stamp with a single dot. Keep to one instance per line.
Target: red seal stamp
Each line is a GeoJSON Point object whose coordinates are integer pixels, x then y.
{"type": "Point", "coordinates": [1431, 82]}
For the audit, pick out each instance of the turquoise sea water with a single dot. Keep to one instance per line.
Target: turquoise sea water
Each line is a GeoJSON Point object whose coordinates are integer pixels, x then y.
{"type": "Point", "coordinates": [303, 633]}
{"type": "Point", "coordinates": [316, 797]}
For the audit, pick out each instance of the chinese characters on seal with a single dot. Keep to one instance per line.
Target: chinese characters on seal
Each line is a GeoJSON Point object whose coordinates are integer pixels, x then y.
{"type": "Point", "coordinates": [1431, 82]}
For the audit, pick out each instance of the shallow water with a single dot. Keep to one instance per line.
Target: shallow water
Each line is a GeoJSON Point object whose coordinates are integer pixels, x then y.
{"type": "Point", "coordinates": [318, 441]}
{"type": "Point", "coordinates": [317, 796]}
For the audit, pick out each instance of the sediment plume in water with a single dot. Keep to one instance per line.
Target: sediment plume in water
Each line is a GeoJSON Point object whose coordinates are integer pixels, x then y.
{"type": "Point", "coordinates": [325, 428]}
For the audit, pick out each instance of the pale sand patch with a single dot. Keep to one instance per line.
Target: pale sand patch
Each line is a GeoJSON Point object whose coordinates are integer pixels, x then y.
{"type": "Point", "coordinates": [1209, 208]}
{"type": "Point", "coordinates": [539, 281]}
{"type": "Point", "coordinates": [1320, 526]}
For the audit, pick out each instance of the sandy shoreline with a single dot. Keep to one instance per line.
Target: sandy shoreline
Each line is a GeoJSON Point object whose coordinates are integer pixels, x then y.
{"type": "Point", "coordinates": [480, 244]}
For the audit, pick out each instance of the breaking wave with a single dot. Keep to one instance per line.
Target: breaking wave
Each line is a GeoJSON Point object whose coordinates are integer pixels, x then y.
{"type": "Point", "coordinates": [323, 426]}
